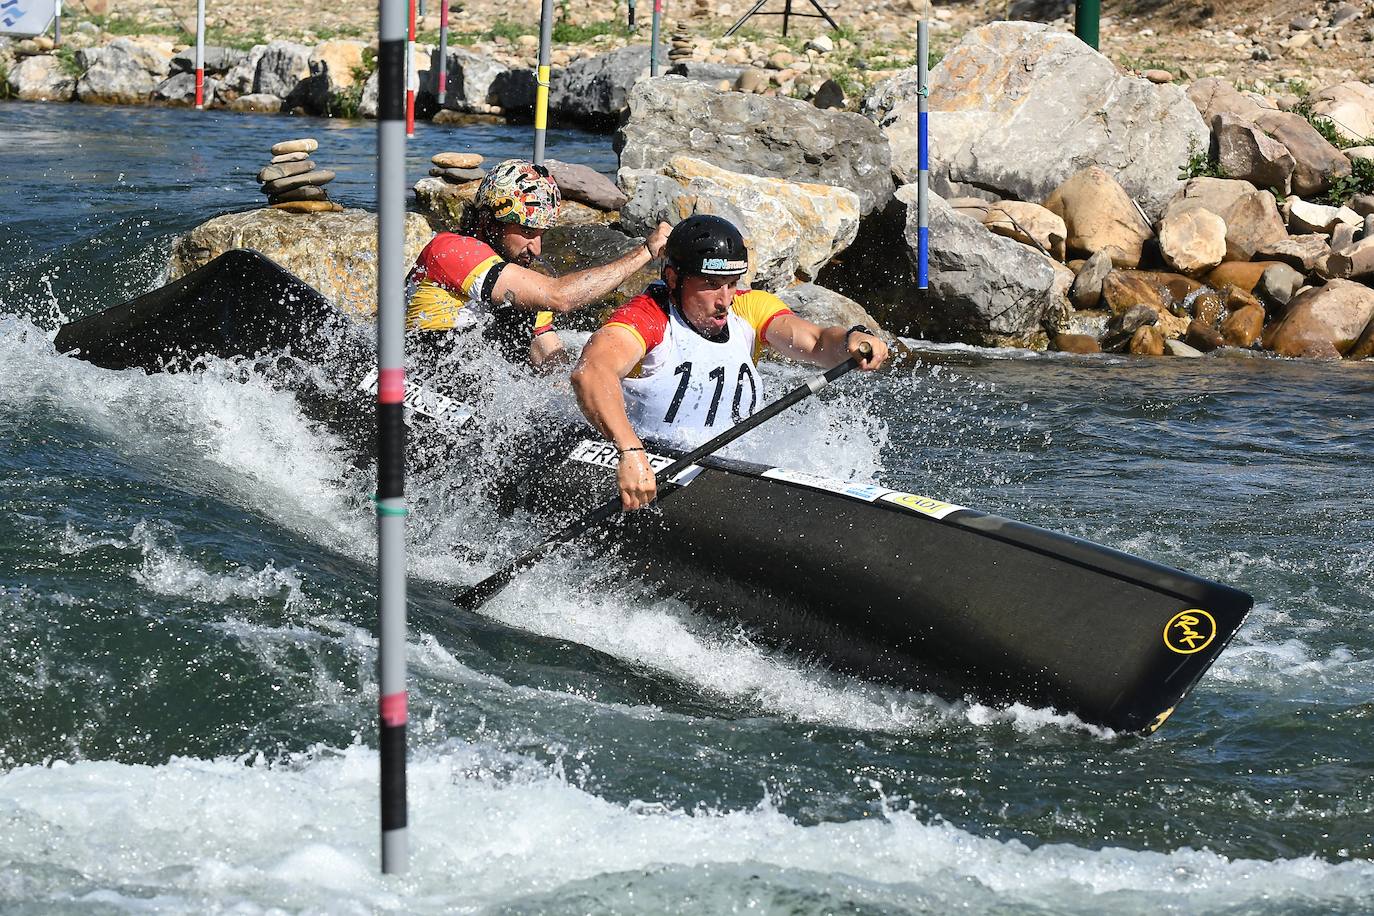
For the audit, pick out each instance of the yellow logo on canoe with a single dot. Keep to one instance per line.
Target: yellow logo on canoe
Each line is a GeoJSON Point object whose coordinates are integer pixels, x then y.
{"type": "Point", "coordinates": [922, 504]}
{"type": "Point", "coordinates": [1190, 631]}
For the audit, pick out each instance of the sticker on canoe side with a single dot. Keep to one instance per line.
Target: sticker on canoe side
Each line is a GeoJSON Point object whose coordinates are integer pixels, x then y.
{"type": "Point", "coordinates": [866, 492]}
{"type": "Point", "coordinates": [1190, 631]}
{"type": "Point", "coordinates": [422, 400]}
{"type": "Point", "coordinates": [922, 504]}
{"type": "Point", "coordinates": [604, 454]}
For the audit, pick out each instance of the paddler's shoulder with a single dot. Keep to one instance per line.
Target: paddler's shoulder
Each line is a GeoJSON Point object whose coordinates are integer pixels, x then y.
{"type": "Point", "coordinates": [758, 307]}
{"type": "Point", "coordinates": [452, 245]}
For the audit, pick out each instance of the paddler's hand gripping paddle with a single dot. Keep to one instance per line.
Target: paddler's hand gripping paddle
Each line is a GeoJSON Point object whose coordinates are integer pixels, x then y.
{"type": "Point", "coordinates": [479, 594]}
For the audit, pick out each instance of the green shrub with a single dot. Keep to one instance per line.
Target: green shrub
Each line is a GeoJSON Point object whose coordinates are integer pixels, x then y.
{"type": "Point", "coordinates": [1359, 181]}
{"type": "Point", "coordinates": [1200, 164]}
{"type": "Point", "coordinates": [5, 91]}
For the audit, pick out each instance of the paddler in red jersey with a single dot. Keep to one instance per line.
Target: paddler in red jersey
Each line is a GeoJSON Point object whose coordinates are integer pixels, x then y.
{"type": "Point", "coordinates": [482, 274]}
{"type": "Point", "coordinates": [676, 365]}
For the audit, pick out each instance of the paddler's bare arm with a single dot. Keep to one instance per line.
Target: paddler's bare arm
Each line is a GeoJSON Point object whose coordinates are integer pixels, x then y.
{"type": "Point", "coordinates": [794, 336]}
{"type": "Point", "coordinates": [534, 292]}
{"type": "Point", "coordinates": [608, 357]}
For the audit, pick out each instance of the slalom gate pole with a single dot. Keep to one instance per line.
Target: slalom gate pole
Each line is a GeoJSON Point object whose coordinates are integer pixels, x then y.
{"type": "Point", "coordinates": [393, 51]}
{"type": "Point", "coordinates": [923, 163]}
{"type": "Point", "coordinates": [57, 25]}
{"type": "Point", "coordinates": [541, 96]}
{"type": "Point", "coordinates": [443, 52]}
{"type": "Point", "coordinates": [653, 38]}
{"type": "Point", "coordinates": [200, 55]}
{"type": "Point", "coordinates": [411, 75]}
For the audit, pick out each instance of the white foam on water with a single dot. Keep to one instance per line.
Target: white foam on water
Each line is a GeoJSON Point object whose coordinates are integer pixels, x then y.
{"type": "Point", "coordinates": [223, 432]}
{"type": "Point", "coordinates": [488, 826]}
{"type": "Point", "coordinates": [722, 662]}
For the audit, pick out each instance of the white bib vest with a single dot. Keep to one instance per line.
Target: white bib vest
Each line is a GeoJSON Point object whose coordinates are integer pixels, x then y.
{"type": "Point", "coordinates": [690, 389]}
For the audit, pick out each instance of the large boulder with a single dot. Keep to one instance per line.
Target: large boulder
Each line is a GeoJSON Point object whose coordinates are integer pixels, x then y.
{"type": "Point", "coordinates": [120, 73]}
{"type": "Point", "coordinates": [984, 289]}
{"type": "Point", "coordinates": [1193, 242]}
{"type": "Point", "coordinates": [1316, 162]}
{"type": "Point", "coordinates": [1028, 223]}
{"type": "Point", "coordinates": [1323, 322]}
{"type": "Point", "coordinates": [334, 252]}
{"type": "Point", "coordinates": [569, 248]}
{"type": "Point", "coordinates": [180, 89]}
{"type": "Point", "coordinates": [1016, 108]}
{"type": "Point", "coordinates": [217, 60]}
{"type": "Point", "coordinates": [1348, 108]}
{"type": "Point", "coordinates": [1099, 216]}
{"type": "Point", "coordinates": [826, 307]}
{"type": "Point", "coordinates": [282, 65]}
{"type": "Point", "coordinates": [239, 78]}
{"type": "Point", "coordinates": [468, 80]}
{"type": "Point", "coordinates": [827, 217]}
{"type": "Point", "coordinates": [338, 61]}
{"type": "Point", "coordinates": [595, 90]}
{"type": "Point", "coordinates": [1251, 215]}
{"type": "Point", "coordinates": [41, 78]}
{"type": "Point", "coordinates": [1246, 152]}
{"type": "Point", "coordinates": [755, 135]}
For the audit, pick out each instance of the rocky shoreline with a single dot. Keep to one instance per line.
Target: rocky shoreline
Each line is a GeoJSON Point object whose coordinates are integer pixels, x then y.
{"type": "Point", "coordinates": [1077, 206]}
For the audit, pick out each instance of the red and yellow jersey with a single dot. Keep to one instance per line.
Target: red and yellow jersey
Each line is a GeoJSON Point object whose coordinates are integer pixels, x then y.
{"type": "Point", "coordinates": [455, 272]}
{"type": "Point", "coordinates": [647, 319]}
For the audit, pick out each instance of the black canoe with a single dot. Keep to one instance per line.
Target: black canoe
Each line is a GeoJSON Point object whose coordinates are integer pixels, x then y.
{"type": "Point", "coordinates": [894, 586]}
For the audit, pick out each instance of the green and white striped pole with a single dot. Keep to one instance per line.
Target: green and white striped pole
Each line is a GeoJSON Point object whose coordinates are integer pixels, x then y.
{"type": "Point", "coordinates": [541, 95]}
{"type": "Point", "coordinates": [393, 49]}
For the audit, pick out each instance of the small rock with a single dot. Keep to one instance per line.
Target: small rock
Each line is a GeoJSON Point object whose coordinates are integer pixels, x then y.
{"type": "Point", "coordinates": [457, 160]}
{"type": "Point", "coordinates": [1351, 261]}
{"type": "Point", "coordinates": [1147, 341]}
{"type": "Point", "coordinates": [1030, 224]}
{"type": "Point", "coordinates": [257, 103]}
{"type": "Point", "coordinates": [1086, 291]}
{"type": "Point", "coordinates": [1303, 252]}
{"type": "Point", "coordinates": [829, 95]}
{"type": "Point", "coordinates": [306, 145]}
{"type": "Point", "coordinates": [305, 192]}
{"type": "Point", "coordinates": [309, 206]}
{"type": "Point", "coordinates": [1278, 284]}
{"type": "Point", "coordinates": [1203, 336]}
{"type": "Point", "coordinates": [822, 43]}
{"type": "Point", "coordinates": [752, 80]}
{"type": "Point", "coordinates": [319, 177]}
{"type": "Point", "coordinates": [1324, 321]}
{"type": "Point", "coordinates": [1076, 343]}
{"type": "Point", "coordinates": [1158, 77]}
{"type": "Point", "coordinates": [586, 185]}
{"type": "Point", "coordinates": [285, 170]}
{"type": "Point", "coordinates": [781, 60]}
{"type": "Point", "coordinates": [1341, 237]}
{"type": "Point", "coordinates": [1242, 328]}
{"type": "Point", "coordinates": [1179, 348]}
{"type": "Point", "coordinates": [1305, 217]}
{"type": "Point", "coordinates": [1099, 215]}
{"type": "Point", "coordinates": [458, 176]}
{"type": "Point", "coordinates": [289, 157]}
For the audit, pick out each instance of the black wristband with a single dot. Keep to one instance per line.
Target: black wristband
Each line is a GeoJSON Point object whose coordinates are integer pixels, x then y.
{"type": "Point", "coordinates": [861, 328]}
{"type": "Point", "coordinates": [633, 448]}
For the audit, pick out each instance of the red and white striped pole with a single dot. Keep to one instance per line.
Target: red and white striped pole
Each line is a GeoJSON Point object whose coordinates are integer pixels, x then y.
{"type": "Point", "coordinates": [412, 77]}
{"type": "Point", "coordinates": [200, 55]}
{"type": "Point", "coordinates": [443, 51]}
{"type": "Point", "coordinates": [392, 53]}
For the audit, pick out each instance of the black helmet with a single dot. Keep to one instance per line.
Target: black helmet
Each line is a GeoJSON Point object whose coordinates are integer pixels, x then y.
{"type": "Point", "coordinates": [707, 245]}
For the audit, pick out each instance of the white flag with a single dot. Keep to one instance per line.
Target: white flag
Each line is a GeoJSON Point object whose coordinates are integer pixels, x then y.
{"type": "Point", "coordinates": [26, 18]}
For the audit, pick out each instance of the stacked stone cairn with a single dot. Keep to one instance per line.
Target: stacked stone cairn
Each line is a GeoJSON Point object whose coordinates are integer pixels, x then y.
{"type": "Point", "coordinates": [682, 46]}
{"type": "Point", "coordinates": [293, 183]}
{"type": "Point", "coordinates": [457, 168]}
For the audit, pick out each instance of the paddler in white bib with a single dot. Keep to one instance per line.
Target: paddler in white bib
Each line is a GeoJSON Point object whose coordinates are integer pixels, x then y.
{"type": "Point", "coordinates": [677, 364]}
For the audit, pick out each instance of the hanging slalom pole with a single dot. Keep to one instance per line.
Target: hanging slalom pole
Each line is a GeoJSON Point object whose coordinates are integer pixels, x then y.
{"type": "Point", "coordinates": [653, 38]}
{"type": "Point", "coordinates": [392, 54]}
{"type": "Point", "coordinates": [57, 25]}
{"type": "Point", "coordinates": [412, 77]}
{"type": "Point", "coordinates": [631, 14]}
{"type": "Point", "coordinates": [923, 156]}
{"type": "Point", "coordinates": [541, 95]}
{"type": "Point", "coordinates": [443, 52]}
{"type": "Point", "coordinates": [200, 55]}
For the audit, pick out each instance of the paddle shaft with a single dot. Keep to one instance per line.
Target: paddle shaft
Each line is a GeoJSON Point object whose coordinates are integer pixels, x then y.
{"type": "Point", "coordinates": [483, 591]}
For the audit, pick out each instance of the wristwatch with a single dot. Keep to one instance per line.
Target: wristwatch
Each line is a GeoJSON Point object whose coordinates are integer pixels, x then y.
{"type": "Point", "coordinates": [861, 328]}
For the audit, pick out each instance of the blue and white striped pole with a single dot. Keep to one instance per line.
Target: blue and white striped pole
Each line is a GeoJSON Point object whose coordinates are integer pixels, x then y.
{"type": "Point", "coordinates": [923, 160]}
{"type": "Point", "coordinates": [392, 65]}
